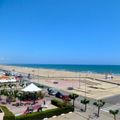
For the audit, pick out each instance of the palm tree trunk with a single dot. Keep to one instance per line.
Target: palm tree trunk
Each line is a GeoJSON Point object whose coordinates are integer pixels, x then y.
{"type": "Point", "coordinates": [85, 107]}
{"type": "Point", "coordinates": [98, 111]}
{"type": "Point", "coordinates": [114, 117]}
{"type": "Point", "coordinates": [73, 104]}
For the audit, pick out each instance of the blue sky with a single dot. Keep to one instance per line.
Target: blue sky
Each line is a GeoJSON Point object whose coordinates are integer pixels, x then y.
{"type": "Point", "coordinates": [60, 31]}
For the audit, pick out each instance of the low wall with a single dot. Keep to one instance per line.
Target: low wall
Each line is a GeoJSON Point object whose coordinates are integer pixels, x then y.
{"type": "Point", "coordinates": [1, 114]}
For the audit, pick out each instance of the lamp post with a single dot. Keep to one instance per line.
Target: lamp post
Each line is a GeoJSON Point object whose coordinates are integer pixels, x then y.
{"type": "Point", "coordinates": [38, 75]}
{"type": "Point", "coordinates": [79, 80]}
{"type": "Point", "coordinates": [85, 87]}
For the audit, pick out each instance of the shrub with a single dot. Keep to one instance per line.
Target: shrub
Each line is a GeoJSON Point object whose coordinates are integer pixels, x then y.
{"type": "Point", "coordinates": [60, 103]}
{"type": "Point", "coordinates": [8, 115]}
{"type": "Point", "coordinates": [45, 114]}
{"type": "Point", "coordinates": [57, 103]}
{"type": "Point", "coordinates": [40, 95]}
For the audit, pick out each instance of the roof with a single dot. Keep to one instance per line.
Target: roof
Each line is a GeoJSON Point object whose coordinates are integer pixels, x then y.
{"type": "Point", "coordinates": [31, 88]}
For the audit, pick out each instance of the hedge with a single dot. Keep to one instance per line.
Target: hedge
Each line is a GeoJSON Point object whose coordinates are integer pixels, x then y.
{"type": "Point", "coordinates": [8, 115]}
{"type": "Point", "coordinates": [45, 114]}
{"type": "Point", "coordinates": [59, 103]}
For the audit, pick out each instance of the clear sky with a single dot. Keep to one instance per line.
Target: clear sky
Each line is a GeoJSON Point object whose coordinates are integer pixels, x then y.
{"type": "Point", "coordinates": [60, 31]}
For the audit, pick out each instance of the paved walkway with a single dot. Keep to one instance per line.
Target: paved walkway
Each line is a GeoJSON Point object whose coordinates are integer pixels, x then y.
{"type": "Point", "coordinates": [82, 116]}
{"type": "Point", "coordinates": [69, 116]}
{"type": "Point", "coordinates": [89, 115]}
{"type": "Point", "coordinates": [112, 107]}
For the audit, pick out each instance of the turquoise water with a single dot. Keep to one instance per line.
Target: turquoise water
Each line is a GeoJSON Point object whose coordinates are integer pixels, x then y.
{"type": "Point", "coordinates": [115, 69]}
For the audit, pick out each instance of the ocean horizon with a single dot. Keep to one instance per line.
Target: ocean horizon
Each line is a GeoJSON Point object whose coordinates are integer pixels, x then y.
{"type": "Point", "coordinates": [104, 69]}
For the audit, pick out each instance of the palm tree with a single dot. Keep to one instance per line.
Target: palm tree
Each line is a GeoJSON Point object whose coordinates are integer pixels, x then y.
{"type": "Point", "coordinates": [114, 113]}
{"type": "Point", "coordinates": [15, 94]}
{"type": "Point", "coordinates": [40, 95]}
{"type": "Point", "coordinates": [85, 102]}
{"type": "Point", "coordinates": [0, 92]}
{"type": "Point", "coordinates": [99, 104]}
{"type": "Point", "coordinates": [5, 85]}
{"type": "Point", "coordinates": [73, 97]}
{"type": "Point", "coordinates": [19, 96]}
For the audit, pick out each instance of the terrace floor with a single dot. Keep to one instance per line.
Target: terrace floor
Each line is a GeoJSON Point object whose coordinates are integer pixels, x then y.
{"type": "Point", "coordinates": [20, 110]}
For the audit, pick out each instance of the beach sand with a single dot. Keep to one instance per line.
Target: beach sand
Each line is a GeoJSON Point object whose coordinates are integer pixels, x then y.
{"type": "Point", "coordinates": [84, 84]}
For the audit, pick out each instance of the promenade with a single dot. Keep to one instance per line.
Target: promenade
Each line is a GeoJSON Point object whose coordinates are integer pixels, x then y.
{"type": "Point", "coordinates": [89, 115]}
{"type": "Point", "coordinates": [95, 86]}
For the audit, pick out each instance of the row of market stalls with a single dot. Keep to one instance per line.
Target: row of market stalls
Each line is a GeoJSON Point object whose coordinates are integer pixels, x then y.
{"type": "Point", "coordinates": [30, 88]}
{"type": "Point", "coordinates": [6, 79]}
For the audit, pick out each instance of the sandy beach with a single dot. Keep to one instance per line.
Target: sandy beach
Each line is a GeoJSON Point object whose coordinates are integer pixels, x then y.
{"type": "Point", "coordinates": [85, 84]}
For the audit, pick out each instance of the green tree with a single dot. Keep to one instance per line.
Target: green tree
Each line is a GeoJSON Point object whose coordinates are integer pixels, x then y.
{"type": "Point", "coordinates": [99, 104]}
{"type": "Point", "coordinates": [114, 113]}
{"type": "Point", "coordinates": [73, 97]}
{"type": "Point", "coordinates": [5, 85]}
{"type": "Point", "coordinates": [85, 102]}
{"type": "Point", "coordinates": [0, 92]}
{"type": "Point", "coordinates": [19, 96]}
{"type": "Point", "coordinates": [15, 94]}
{"type": "Point", "coordinates": [40, 95]}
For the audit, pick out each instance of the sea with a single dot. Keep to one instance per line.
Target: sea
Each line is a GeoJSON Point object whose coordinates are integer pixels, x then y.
{"type": "Point", "coordinates": [103, 69]}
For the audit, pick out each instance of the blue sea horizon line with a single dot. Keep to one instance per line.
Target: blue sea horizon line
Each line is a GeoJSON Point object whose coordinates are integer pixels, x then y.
{"type": "Point", "coordinates": [62, 64]}
{"type": "Point", "coordinates": [114, 69]}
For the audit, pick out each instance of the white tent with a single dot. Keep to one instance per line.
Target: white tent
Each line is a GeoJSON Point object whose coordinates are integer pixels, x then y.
{"type": "Point", "coordinates": [31, 88]}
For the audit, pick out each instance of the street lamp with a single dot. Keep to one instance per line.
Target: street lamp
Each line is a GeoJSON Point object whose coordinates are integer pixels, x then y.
{"type": "Point", "coordinates": [85, 86]}
{"type": "Point", "coordinates": [79, 80]}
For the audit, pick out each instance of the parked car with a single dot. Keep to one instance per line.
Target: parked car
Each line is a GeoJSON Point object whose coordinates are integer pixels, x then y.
{"type": "Point", "coordinates": [52, 91]}
{"type": "Point", "coordinates": [49, 89]}
{"type": "Point", "coordinates": [66, 98]}
{"type": "Point", "coordinates": [59, 95]}
{"type": "Point", "coordinates": [63, 96]}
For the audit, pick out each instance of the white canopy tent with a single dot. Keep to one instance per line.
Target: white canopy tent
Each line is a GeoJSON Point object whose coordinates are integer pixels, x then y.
{"type": "Point", "coordinates": [32, 88]}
